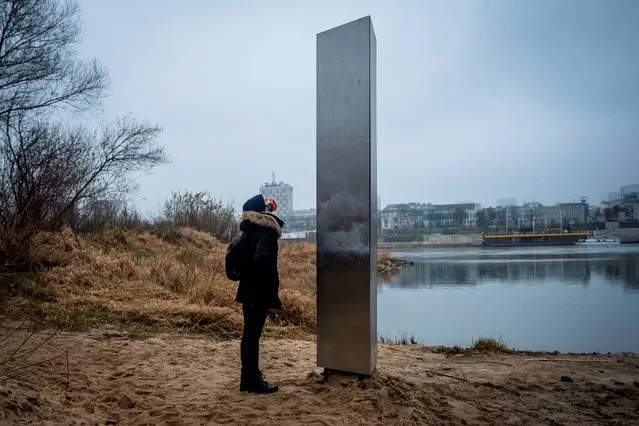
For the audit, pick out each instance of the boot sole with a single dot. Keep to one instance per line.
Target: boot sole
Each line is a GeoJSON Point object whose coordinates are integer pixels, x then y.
{"type": "Point", "coordinates": [246, 389]}
{"type": "Point", "coordinates": [260, 392]}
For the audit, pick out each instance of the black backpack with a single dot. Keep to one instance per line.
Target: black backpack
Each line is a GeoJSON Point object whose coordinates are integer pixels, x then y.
{"type": "Point", "coordinates": [237, 256]}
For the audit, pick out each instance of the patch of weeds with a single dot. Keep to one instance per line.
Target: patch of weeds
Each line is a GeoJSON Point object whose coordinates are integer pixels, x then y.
{"type": "Point", "coordinates": [482, 344]}
{"type": "Point", "coordinates": [82, 281]}
{"type": "Point", "coordinates": [447, 350]}
{"type": "Point", "coordinates": [76, 320]}
{"type": "Point", "coordinates": [489, 344]}
{"type": "Point", "coordinates": [142, 256]}
{"type": "Point", "coordinates": [24, 284]}
{"type": "Point", "coordinates": [403, 339]}
{"type": "Point", "coordinates": [172, 236]}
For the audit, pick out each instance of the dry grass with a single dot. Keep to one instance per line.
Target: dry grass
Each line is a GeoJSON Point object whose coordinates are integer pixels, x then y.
{"type": "Point", "coordinates": [173, 278]}
{"type": "Point", "coordinates": [385, 257]}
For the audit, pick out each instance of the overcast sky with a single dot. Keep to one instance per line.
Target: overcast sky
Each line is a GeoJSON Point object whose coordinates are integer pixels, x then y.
{"type": "Point", "coordinates": [477, 100]}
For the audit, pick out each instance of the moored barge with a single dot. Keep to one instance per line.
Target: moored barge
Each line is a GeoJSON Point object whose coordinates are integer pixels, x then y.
{"type": "Point", "coordinates": [518, 240]}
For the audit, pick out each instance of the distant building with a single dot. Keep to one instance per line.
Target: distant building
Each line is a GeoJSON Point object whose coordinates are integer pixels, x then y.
{"type": "Point", "coordinates": [614, 197]}
{"type": "Point", "coordinates": [420, 215]}
{"type": "Point", "coordinates": [532, 204]}
{"type": "Point", "coordinates": [629, 190]}
{"type": "Point", "coordinates": [298, 224]}
{"type": "Point", "coordinates": [506, 202]}
{"type": "Point", "coordinates": [535, 215]}
{"type": "Point", "coordinates": [404, 216]}
{"type": "Point", "coordinates": [622, 205]}
{"type": "Point", "coordinates": [471, 216]}
{"type": "Point", "coordinates": [446, 214]}
{"type": "Point", "coordinates": [574, 212]}
{"type": "Point", "coordinates": [282, 193]}
{"type": "Point", "coordinates": [301, 221]}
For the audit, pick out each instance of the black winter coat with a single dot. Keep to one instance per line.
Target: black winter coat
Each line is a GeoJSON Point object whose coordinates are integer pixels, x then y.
{"type": "Point", "coordinates": [261, 282]}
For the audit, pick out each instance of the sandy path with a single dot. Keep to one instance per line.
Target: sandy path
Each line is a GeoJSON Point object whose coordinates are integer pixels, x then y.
{"type": "Point", "coordinates": [172, 379]}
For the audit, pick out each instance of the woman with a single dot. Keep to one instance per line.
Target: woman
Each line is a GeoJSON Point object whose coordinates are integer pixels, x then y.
{"type": "Point", "coordinates": [258, 286]}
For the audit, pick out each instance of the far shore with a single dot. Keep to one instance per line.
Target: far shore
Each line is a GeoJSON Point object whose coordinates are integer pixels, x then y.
{"type": "Point", "coordinates": [425, 245]}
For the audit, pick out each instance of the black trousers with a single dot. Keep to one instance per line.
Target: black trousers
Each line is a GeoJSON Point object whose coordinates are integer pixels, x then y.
{"type": "Point", "coordinates": [254, 320]}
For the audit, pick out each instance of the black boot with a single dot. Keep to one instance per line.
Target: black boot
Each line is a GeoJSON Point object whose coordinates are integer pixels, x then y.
{"type": "Point", "coordinates": [259, 386]}
{"type": "Point", "coordinates": [243, 385]}
{"type": "Point", "coordinates": [245, 381]}
{"type": "Point", "coordinates": [262, 386]}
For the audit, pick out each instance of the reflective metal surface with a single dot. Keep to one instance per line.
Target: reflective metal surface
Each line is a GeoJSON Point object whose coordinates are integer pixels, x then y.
{"type": "Point", "coordinates": [347, 198]}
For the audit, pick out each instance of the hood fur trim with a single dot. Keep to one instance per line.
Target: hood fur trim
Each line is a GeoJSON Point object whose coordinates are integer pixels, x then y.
{"type": "Point", "coordinates": [263, 220]}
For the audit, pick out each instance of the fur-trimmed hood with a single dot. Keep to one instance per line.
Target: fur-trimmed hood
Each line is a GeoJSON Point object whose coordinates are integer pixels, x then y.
{"type": "Point", "coordinates": [264, 220]}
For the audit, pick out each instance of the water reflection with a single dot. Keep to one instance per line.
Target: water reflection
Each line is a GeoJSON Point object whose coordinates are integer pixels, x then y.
{"type": "Point", "coordinates": [569, 269]}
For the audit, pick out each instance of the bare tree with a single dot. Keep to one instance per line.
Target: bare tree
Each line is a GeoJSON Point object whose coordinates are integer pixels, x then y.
{"type": "Point", "coordinates": [49, 169]}
{"type": "Point", "coordinates": [459, 214]}
{"type": "Point", "coordinates": [482, 219]}
{"type": "Point", "coordinates": [94, 215]}
{"type": "Point", "coordinates": [46, 170]}
{"type": "Point", "coordinates": [38, 67]}
{"type": "Point", "coordinates": [404, 216]}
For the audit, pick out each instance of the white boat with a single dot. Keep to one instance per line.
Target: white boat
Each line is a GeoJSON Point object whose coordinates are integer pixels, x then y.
{"type": "Point", "coordinates": [598, 241]}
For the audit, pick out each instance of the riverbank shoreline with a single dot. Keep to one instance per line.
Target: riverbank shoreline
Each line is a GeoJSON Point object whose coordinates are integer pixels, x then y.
{"type": "Point", "coordinates": [435, 242]}
{"type": "Point", "coordinates": [106, 375]}
{"type": "Point", "coordinates": [424, 245]}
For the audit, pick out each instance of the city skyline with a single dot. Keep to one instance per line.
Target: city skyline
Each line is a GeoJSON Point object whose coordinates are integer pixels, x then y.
{"type": "Point", "coordinates": [517, 200]}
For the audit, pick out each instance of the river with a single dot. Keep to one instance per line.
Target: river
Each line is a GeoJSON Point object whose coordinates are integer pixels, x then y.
{"type": "Point", "coordinates": [570, 299]}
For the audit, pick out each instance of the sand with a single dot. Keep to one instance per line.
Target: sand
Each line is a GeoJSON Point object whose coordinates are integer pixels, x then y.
{"type": "Point", "coordinates": [118, 378]}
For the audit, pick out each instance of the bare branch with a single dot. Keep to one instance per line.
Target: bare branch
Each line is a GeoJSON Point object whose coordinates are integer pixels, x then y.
{"type": "Point", "coordinates": [53, 168]}
{"type": "Point", "coordinates": [38, 69]}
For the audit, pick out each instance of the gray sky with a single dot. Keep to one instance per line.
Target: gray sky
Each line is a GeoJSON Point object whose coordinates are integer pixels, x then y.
{"type": "Point", "coordinates": [477, 100]}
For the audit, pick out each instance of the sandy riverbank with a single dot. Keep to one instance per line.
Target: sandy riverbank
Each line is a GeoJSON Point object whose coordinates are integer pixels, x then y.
{"type": "Point", "coordinates": [116, 378]}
